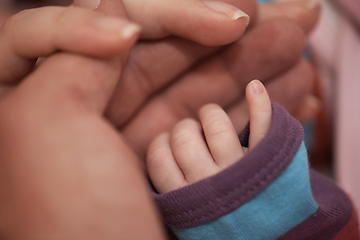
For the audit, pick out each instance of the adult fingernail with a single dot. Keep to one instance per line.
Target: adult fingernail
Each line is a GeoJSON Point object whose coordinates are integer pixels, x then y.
{"type": "Point", "coordinates": [231, 11]}
{"type": "Point", "coordinates": [91, 4]}
{"type": "Point", "coordinates": [257, 87]}
{"type": "Point", "coordinates": [115, 25]}
{"type": "Point", "coordinates": [130, 30]}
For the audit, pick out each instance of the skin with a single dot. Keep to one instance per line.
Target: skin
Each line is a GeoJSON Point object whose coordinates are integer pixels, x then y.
{"type": "Point", "coordinates": [137, 95]}
{"type": "Point", "coordinates": [65, 171]}
{"type": "Point", "coordinates": [221, 23]}
{"type": "Point", "coordinates": [145, 104]}
{"type": "Point", "coordinates": [73, 25]}
{"type": "Point", "coordinates": [55, 186]}
{"type": "Point", "coordinates": [194, 150]}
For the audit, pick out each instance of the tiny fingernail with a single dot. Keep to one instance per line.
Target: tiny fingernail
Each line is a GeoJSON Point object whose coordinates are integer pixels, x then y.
{"type": "Point", "coordinates": [91, 4]}
{"type": "Point", "coordinates": [257, 87]}
{"type": "Point", "coordinates": [231, 11]}
{"type": "Point", "coordinates": [115, 25]}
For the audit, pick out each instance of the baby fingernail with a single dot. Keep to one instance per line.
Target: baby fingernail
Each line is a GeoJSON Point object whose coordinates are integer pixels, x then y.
{"type": "Point", "coordinates": [231, 11]}
{"type": "Point", "coordinates": [257, 87]}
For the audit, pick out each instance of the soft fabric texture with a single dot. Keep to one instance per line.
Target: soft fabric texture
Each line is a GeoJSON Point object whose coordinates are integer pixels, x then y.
{"type": "Point", "coordinates": [269, 214]}
{"type": "Point", "coordinates": [265, 195]}
{"type": "Point", "coordinates": [215, 196]}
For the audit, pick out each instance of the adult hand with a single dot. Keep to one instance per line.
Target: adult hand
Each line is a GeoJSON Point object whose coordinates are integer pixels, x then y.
{"type": "Point", "coordinates": [168, 80]}
{"type": "Point", "coordinates": [208, 22]}
{"type": "Point", "coordinates": [65, 172]}
{"type": "Point", "coordinates": [69, 29]}
{"type": "Point", "coordinates": [205, 22]}
{"type": "Point", "coordinates": [270, 51]}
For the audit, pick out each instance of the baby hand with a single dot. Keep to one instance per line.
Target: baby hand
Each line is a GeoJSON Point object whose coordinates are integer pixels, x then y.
{"type": "Point", "coordinates": [193, 151]}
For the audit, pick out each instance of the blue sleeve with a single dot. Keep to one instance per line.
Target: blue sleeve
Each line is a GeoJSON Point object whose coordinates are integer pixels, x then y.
{"type": "Point", "coordinates": [282, 205]}
{"type": "Point", "coordinates": [269, 194]}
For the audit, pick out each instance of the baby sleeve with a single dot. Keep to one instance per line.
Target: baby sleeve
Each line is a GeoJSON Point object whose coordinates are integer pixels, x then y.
{"type": "Point", "coordinates": [268, 194]}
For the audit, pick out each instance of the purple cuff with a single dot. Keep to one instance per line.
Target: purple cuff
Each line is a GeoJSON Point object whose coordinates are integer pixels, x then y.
{"type": "Point", "coordinates": [222, 193]}
{"type": "Point", "coordinates": [333, 214]}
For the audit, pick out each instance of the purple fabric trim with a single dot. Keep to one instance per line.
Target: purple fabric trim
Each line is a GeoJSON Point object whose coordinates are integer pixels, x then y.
{"type": "Point", "coordinates": [334, 212]}
{"type": "Point", "coordinates": [220, 194]}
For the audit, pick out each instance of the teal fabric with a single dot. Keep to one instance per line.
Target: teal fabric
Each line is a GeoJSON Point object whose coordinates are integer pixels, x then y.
{"type": "Point", "coordinates": [285, 203]}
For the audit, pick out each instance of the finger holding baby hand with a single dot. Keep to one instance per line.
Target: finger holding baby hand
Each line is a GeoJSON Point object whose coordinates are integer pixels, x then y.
{"type": "Point", "coordinates": [40, 32]}
{"type": "Point", "coordinates": [210, 23]}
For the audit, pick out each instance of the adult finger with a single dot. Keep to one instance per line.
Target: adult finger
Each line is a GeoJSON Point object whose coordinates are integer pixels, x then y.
{"type": "Point", "coordinates": [80, 81]}
{"type": "Point", "coordinates": [296, 10]}
{"type": "Point", "coordinates": [206, 22]}
{"type": "Point", "coordinates": [272, 47]}
{"type": "Point", "coordinates": [151, 66]}
{"type": "Point", "coordinates": [220, 134]}
{"type": "Point", "coordinates": [297, 82]}
{"type": "Point", "coordinates": [261, 45]}
{"type": "Point", "coordinates": [260, 112]}
{"type": "Point", "coordinates": [39, 32]}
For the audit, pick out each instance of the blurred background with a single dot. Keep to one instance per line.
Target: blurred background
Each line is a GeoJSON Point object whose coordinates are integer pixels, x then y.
{"type": "Point", "coordinates": [335, 51]}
